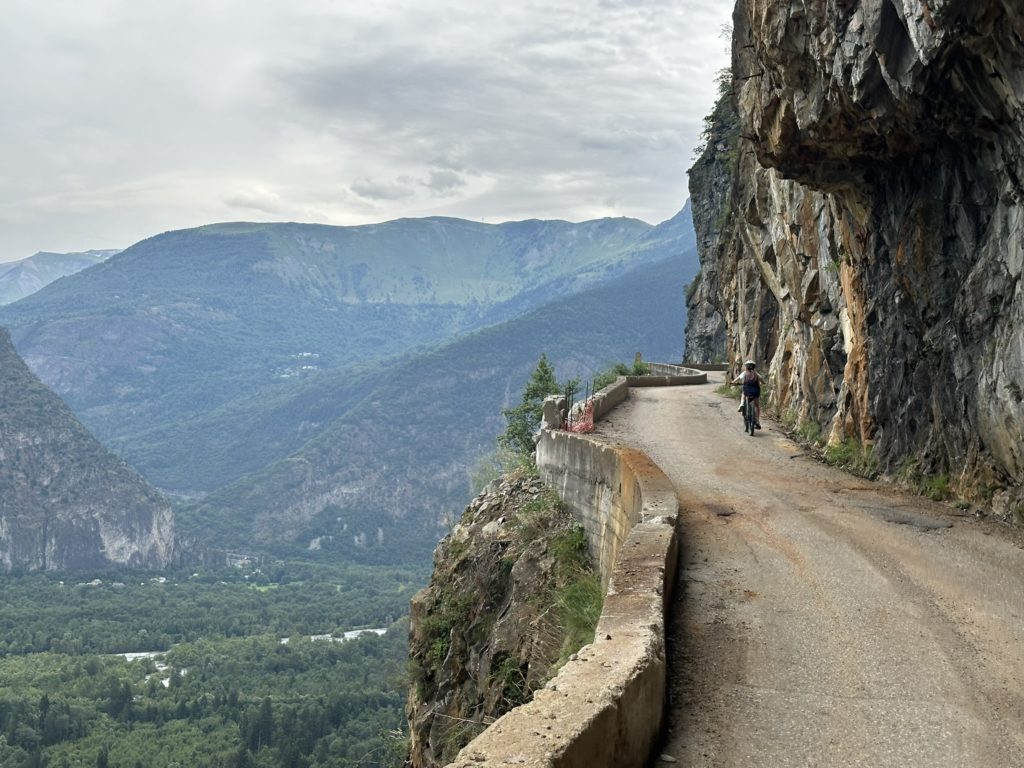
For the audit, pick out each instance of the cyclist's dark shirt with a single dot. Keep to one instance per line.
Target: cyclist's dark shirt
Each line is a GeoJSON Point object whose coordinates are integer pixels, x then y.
{"type": "Point", "coordinates": [751, 384]}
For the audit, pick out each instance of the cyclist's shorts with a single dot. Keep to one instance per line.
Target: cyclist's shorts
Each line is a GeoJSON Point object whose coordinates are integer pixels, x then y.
{"type": "Point", "coordinates": [751, 391]}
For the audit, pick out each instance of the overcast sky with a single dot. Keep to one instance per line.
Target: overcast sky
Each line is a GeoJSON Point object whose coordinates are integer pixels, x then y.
{"type": "Point", "coordinates": [125, 118]}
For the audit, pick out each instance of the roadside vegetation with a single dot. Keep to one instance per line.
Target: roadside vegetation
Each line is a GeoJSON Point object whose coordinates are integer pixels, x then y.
{"type": "Point", "coordinates": [856, 458]}
{"type": "Point", "coordinates": [852, 456]}
{"type": "Point", "coordinates": [514, 592]}
{"type": "Point", "coordinates": [608, 376]}
{"type": "Point", "coordinates": [523, 421]}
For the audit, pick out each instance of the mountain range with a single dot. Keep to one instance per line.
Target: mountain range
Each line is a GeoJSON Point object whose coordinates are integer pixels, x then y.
{"type": "Point", "coordinates": [305, 385]}
{"type": "Point", "coordinates": [19, 279]}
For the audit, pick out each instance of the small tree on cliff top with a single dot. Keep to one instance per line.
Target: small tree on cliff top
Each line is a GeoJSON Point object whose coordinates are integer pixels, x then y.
{"type": "Point", "coordinates": [524, 420]}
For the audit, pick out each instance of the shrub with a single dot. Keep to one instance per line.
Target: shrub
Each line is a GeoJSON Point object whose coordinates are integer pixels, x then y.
{"type": "Point", "coordinates": [608, 376]}
{"type": "Point", "coordinates": [492, 466]}
{"type": "Point", "coordinates": [936, 487]}
{"type": "Point", "coordinates": [728, 390]}
{"type": "Point", "coordinates": [570, 550]}
{"type": "Point", "coordinates": [853, 457]}
{"type": "Point", "coordinates": [514, 687]}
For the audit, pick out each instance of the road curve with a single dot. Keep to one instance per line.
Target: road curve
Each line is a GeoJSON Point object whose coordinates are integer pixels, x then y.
{"type": "Point", "coordinates": [821, 619]}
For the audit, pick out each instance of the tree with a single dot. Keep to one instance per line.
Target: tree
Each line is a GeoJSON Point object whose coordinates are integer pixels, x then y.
{"type": "Point", "coordinates": [524, 420]}
{"type": "Point", "coordinates": [258, 730]}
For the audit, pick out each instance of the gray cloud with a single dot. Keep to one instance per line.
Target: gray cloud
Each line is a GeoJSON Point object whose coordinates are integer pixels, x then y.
{"type": "Point", "coordinates": [256, 199]}
{"type": "Point", "coordinates": [444, 181]}
{"type": "Point", "coordinates": [132, 118]}
{"type": "Point", "coordinates": [383, 190]}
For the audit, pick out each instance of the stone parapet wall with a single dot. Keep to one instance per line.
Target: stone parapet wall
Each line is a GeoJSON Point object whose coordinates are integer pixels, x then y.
{"type": "Point", "coordinates": [605, 707]}
{"type": "Point", "coordinates": [710, 367]}
{"type": "Point", "coordinates": [606, 399]}
{"type": "Point", "coordinates": [665, 375]}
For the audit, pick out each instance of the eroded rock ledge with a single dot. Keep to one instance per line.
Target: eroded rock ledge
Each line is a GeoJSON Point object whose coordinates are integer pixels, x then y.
{"type": "Point", "coordinates": [862, 231]}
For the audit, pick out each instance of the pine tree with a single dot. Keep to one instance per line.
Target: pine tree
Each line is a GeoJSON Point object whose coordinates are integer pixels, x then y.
{"type": "Point", "coordinates": [264, 725]}
{"type": "Point", "coordinates": [524, 420]}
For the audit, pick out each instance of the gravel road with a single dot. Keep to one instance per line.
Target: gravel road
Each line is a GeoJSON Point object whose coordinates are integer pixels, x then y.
{"type": "Point", "coordinates": [821, 619]}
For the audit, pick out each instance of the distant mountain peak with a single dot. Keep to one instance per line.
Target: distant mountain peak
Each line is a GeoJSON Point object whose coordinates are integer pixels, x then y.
{"type": "Point", "coordinates": [19, 279]}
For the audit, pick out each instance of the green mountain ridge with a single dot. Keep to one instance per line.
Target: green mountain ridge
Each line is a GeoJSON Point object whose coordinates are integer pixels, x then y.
{"type": "Point", "coordinates": [377, 484]}
{"type": "Point", "coordinates": [175, 345]}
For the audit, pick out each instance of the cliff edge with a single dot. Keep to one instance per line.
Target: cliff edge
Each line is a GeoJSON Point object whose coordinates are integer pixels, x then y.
{"type": "Point", "coordinates": [512, 596]}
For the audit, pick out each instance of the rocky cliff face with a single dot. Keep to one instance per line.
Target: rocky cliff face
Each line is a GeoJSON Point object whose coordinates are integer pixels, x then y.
{"type": "Point", "coordinates": [65, 502]}
{"type": "Point", "coordinates": [874, 237]}
{"type": "Point", "coordinates": [512, 596]}
{"type": "Point", "coordinates": [711, 185]}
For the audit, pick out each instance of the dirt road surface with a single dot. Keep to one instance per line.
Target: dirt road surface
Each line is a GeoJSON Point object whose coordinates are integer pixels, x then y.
{"type": "Point", "coordinates": [821, 619]}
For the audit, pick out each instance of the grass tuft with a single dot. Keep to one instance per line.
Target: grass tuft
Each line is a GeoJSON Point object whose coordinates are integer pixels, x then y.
{"type": "Point", "coordinates": [853, 457]}
{"type": "Point", "coordinates": [728, 390]}
{"type": "Point", "coordinates": [810, 431]}
{"type": "Point", "coordinates": [936, 487]}
{"type": "Point", "coordinates": [579, 607]}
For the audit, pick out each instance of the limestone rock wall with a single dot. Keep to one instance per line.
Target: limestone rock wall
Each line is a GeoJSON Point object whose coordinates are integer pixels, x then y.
{"type": "Point", "coordinates": [711, 184]}
{"type": "Point", "coordinates": [872, 237]}
{"type": "Point", "coordinates": [66, 503]}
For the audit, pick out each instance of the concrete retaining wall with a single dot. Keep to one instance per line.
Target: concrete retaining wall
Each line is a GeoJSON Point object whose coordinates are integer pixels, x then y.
{"type": "Point", "coordinates": [719, 367]}
{"type": "Point", "coordinates": [609, 397]}
{"type": "Point", "coordinates": [606, 705]}
{"type": "Point", "coordinates": [675, 374]}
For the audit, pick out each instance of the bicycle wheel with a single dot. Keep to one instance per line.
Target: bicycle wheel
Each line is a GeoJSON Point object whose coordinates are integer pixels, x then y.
{"type": "Point", "coordinates": [749, 417]}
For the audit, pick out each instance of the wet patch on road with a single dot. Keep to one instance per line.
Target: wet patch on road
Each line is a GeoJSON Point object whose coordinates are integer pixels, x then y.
{"type": "Point", "coordinates": [899, 517]}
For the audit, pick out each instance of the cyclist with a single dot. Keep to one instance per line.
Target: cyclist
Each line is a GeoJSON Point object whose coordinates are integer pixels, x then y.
{"type": "Point", "coordinates": [751, 389]}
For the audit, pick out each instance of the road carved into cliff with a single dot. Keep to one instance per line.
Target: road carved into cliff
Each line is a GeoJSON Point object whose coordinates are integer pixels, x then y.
{"type": "Point", "coordinates": [824, 620]}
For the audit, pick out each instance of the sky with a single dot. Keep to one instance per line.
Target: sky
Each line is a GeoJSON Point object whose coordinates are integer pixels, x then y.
{"type": "Point", "coordinates": [127, 118]}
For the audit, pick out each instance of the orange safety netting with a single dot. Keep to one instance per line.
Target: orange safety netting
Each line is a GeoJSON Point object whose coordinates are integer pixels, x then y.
{"type": "Point", "coordinates": [581, 419]}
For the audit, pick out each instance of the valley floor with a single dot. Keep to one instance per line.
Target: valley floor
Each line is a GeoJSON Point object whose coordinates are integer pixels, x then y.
{"type": "Point", "coordinates": [821, 619]}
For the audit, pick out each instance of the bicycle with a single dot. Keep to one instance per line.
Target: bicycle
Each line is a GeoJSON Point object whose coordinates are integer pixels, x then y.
{"type": "Point", "coordinates": [749, 415]}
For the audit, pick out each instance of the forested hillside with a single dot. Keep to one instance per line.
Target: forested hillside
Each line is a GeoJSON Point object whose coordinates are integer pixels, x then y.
{"type": "Point", "coordinates": [378, 484]}
{"type": "Point", "coordinates": [223, 673]}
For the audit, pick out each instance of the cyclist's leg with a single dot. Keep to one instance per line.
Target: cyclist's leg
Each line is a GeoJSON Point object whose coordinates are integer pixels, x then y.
{"type": "Point", "coordinates": [739, 409]}
{"type": "Point", "coordinates": [757, 411]}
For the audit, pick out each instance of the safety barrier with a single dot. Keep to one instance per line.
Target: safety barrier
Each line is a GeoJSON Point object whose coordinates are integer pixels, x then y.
{"type": "Point", "coordinates": [605, 707]}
